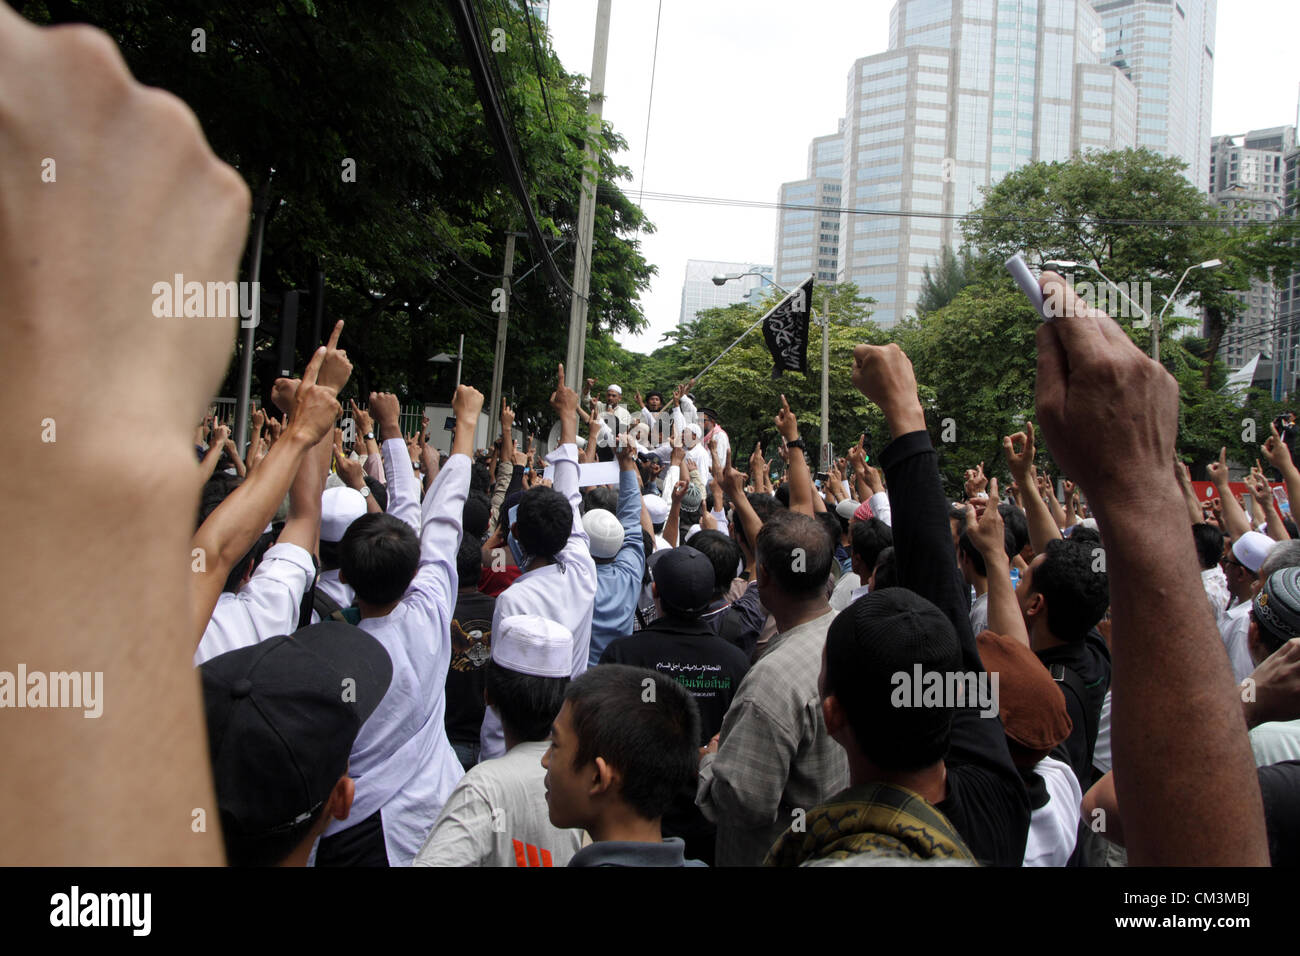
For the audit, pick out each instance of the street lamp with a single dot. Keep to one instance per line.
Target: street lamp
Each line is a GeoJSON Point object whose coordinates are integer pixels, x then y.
{"type": "Point", "coordinates": [1155, 332]}
{"type": "Point", "coordinates": [445, 359]}
{"type": "Point", "coordinates": [1068, 264]}
{"type": "Point", "coordinates": [825, 322]}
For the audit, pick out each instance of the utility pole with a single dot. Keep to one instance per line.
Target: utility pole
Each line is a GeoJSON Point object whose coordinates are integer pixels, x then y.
{"type": "Point", "coordinates": [826, 394]}
{"type": "Point", "coordinates": [587, 206]}
{"type": "Point", "coordinates": [246, 353]}
{"type": "Point", "coordinates": [498, 367]}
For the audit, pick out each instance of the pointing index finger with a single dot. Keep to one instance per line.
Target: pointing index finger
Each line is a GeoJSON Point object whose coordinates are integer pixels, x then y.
{"type": "Point", "coordinates": [313, 368]}
{"type": "Point", "coordinates": [334, 336]}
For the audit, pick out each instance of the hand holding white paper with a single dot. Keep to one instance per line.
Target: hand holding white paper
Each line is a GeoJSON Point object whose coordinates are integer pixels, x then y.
{"type": "Point", "coordinates": [1028, 284]}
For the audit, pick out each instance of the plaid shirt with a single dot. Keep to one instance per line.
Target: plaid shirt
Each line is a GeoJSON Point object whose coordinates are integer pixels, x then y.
{"type": "Point", "coordinates": [774, 755]}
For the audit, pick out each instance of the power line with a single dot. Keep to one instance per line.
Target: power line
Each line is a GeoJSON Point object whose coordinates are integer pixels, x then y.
{"type": "Point", "coordinates": [532, 38]}
{"type": "Point", "coordinates": [477, 58]}
{"type": "Point", "coordinates": [654, 63]}
{"type": "Point", "coordinates": [909, 214]}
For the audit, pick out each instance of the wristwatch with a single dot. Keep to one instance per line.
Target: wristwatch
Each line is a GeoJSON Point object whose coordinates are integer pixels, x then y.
{"type": "Point", "coordinates": [365, 490]}
{"type": "Point", "coordinates": [797, 443]}
{"type": "Point", "coordinates": [370, 436]}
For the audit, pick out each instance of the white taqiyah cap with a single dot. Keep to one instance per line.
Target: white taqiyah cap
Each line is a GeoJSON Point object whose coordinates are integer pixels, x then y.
{"type": "Point", "coordinates": [615, 388]}
{"type": "Point", "coordinates": [1251, 549]}
{"type": "Point", "coordinates": [846, 508]}
{"type": "Point", "coordinates": [605, 532]}
{"type": "Point", "coordinates": [533, 645]}
{"type": "Point", "coordinates": [339, 507]}
{"type": "Point", "coordinates": [657, 508]}
{"type": "Point", "coordinates": [692, 427]}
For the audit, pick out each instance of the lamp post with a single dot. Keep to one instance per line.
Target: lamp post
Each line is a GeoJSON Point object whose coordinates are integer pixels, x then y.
{"type": "Point", "coordinates": [1069, 264]}
{"type": "Point", "coordinates": [445, 359]}
{"type": "Point", "coordinates": [1155, 332]}
{"type": "Point", "coordinates": [1155, 325]}
{"type": "Point", "coordinates": [825, 322]}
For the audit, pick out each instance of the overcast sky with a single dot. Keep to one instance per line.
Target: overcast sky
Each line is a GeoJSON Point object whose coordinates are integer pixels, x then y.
{"type": "Point", "coordinates": [741, 86]}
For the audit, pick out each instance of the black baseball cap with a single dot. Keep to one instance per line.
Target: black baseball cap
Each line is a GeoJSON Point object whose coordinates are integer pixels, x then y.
{"type": "Point", "coordinates": [282, 718]}
{"type": "Point", "coordinates": [684, 578]}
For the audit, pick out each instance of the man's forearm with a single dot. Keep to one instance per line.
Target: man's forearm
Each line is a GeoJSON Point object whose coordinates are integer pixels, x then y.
{"type": "Point", "coordinates": [1004, 615]}
{"type": "Point", "coordinates": [302, 527]}
{"type": "Point", "coordinates": [237, 522]}
{"type": "Point", "coordinates": [1170, 673]}
{"type": "Point", "coordinates": [141, 670]}
{"type": "Point", "coordinates": [1233, 516]}
{"type": "Point", "coordinates": [1042, 528]}
{"type": "Point", "coordinates": [801, 486]}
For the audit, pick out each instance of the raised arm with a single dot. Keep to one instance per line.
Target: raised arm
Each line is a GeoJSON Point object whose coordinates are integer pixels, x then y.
{"type": "Point", "coordinates": [801, 486]}
{"type": "Point", "coordinates": [237, 522]}
{"type": "Point", "coordinates": [1184, 476]}
{"type": "Point", "coordinates": [1236, 523]}
{"type": "Point", "coordinates": [1279, 456]}
{"type": "Point", "coordinates": [403, 487]}
{"type": "Point", "coordinates": [1042, 528]}
{"type": "Point", "coordinates": [1180, 740]}
{"type": "Point", "coordinates": [100, 539]}
{"type": "Point", "coordinates": [1263, 497]}
{"type": "Point", "coordinates": [436, 580]}
{"type": "Point", "coordinates": [989, 538]}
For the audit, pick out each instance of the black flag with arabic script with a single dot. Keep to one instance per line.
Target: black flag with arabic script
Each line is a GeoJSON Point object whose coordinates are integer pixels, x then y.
{"type": "Point", "coordinates": [786, 331]}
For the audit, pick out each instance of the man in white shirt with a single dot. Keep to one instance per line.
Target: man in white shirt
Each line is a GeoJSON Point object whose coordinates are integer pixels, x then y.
{"type": "Point", "coordinates": [498, 815]}
{"type": "Point", "coordinates": [1242, 565]}
{"type": "Point", "coordinates": [267, 603]}
{"type": "Point", "coordinates": [551, 546]}
{"type": "Point", "coordinates": [405, 587]}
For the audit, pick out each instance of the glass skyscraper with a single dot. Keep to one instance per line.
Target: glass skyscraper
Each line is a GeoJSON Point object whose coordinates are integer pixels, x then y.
{"type": "Point", "coordinates": [971, 90]}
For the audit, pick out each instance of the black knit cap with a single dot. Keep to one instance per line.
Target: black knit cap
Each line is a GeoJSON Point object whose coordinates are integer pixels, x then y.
{"type": "Point", "coordinates": [883, 634]}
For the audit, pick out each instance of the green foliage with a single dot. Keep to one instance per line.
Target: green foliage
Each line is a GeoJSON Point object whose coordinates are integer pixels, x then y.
{"type": "Point", "coordinates": [413, 249]}
{"type": "Point", "coordinates": [939, 287]}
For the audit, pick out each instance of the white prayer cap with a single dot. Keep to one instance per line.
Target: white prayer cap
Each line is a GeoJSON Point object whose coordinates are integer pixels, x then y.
{"type": "Point", "coordinates": [614, 388]}
{"type": "Point", "coordinates": [533, 645]}
{"type": "Point", "coordinates": [692, 427]}
{"type": "Point", "coordinates": [1251, 549]}
{"type": "Point", "coordinates": [339, 507]}
{"type": "Point", "coordinates": [657, 508]}
{"type": "Point", "coordinates": [605, 532]}
{"type": "Point", "coordinates": [640, 432]}
{"type": "Point", "coordinates": [846, 508]}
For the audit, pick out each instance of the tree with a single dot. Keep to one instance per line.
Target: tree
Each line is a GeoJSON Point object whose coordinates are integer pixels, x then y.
{"type": "Point", "coordinates": [938, 288]}
{"type": "Point", "coordinates": [411, 237]}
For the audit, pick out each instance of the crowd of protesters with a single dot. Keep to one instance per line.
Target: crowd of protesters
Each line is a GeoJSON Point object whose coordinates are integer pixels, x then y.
{"type": "Point", "coordinates": [490, 658]}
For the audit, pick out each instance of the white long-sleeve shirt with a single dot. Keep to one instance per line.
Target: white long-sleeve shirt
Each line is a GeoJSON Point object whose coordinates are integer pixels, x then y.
{"type": "Point", "coordinates": [402, 762]}
{"type": "Point", "coordinates": [564, 592]}
{"type": "Point", "coordinates": [265, 607]}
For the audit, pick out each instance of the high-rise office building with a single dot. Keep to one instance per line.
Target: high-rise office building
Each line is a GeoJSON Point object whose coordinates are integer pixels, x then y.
{"type": "Point", "coordinates": [699, 291]}
{"type": "Point", "coordinates": [969, 91]}
{"type": "Point", "coordinates": [1247, 177]}
{"type": "Point", "coordinates": [1166, 47]}
{"type": "Point", "coordinates": [807, 240]}
{"type": "Point", "coordinates": [1286, 348]}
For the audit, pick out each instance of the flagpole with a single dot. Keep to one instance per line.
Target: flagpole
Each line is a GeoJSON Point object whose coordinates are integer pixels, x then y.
{"type": "Point", "coordinates": [788, 295]}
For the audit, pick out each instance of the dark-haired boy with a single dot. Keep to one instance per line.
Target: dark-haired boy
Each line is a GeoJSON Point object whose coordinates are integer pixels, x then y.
{"type": "Point", "coordinates": [497, 815]}
{"type": "Point", "coordinates": [622, 746]}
